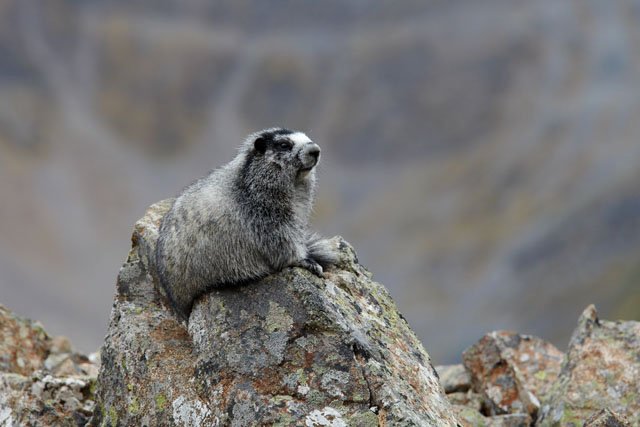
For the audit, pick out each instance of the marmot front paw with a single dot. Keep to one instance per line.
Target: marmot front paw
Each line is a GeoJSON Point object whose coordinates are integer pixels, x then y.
{"type": "Point", "coordinates": [312, 266]}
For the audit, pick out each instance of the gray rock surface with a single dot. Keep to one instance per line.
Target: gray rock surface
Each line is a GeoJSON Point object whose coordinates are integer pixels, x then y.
{"type": "Point", "coordinates": [290, 349]}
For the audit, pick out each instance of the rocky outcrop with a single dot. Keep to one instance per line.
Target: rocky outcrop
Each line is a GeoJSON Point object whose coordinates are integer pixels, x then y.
{"type": "Point", "coordinates": [43, 381]}
{"type": "Point", "coordinates": [291, 349]}
{"type": "Point", "coordinates": [518, 380]}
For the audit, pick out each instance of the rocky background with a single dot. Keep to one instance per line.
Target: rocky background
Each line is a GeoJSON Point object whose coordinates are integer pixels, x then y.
{"type": "Point", "coordinates": [43, 380]}
{"type": "Point", "coordinates": [294, 349]}
{"type": "Point", "coordinates": [482, 156]}
{"type": "Point", "coordinates": [507, 379]}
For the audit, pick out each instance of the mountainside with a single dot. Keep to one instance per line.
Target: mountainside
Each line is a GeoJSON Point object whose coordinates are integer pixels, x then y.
{"type": "Point", "coordinates": [483, 156]}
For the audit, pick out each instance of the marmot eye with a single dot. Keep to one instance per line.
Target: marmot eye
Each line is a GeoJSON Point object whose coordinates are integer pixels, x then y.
{"type": "Point", "coordinates": [284, 145]}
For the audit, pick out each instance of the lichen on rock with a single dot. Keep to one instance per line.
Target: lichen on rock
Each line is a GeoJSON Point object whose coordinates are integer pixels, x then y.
{"type": "Point", "coordinates": [290, 349]}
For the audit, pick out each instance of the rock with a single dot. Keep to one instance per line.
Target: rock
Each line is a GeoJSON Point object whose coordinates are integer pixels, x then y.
{"type": "Point", "coordinates": [94, 358]}
{"type": "Point", "coordinates": [606, 418]}
{"type": "Point", "coordinates": [54, 360]}
{"type": "Point", "coordinates": [471, 418]}
{"type": "Point", "coordinates": [60, 345]}
{"type": "Point", "coordinates": [601, 370]}
{"type": "Point", "coordinates": [24, 344]}
{"type": "Point", "coordinates": [509, 420]}
{"type": "Point", "coordinates": [510, 370]}
{"type": "Point", "coordinates": [454, 378]}
{"type": "Point", "coordinates": [291, 349]}
{"type": "Point", "coordinates": [469, 399]}
{"type": "Point", "coordinates": [41, 382]}
{"type": "Point", "coordinates": [90, 369]}
{"type": "Point", "coordinates": [67, 368]}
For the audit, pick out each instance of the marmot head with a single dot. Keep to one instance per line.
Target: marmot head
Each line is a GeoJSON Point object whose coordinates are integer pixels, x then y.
{"type": "Point", "coordinates": [285, 151]}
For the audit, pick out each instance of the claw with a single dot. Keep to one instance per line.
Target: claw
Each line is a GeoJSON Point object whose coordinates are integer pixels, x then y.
{"type": "Point", "coordinates": [312, 266]}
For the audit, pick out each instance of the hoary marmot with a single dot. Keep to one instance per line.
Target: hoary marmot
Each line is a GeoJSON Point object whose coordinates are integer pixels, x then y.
{"type": "Point", "coordinates": [243, 221]}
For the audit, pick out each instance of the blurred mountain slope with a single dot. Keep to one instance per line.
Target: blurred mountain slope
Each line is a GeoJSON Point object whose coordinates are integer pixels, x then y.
{"type": "Point", "coordinates": [482, 157]}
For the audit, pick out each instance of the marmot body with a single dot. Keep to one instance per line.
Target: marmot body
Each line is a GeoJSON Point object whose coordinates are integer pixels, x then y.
{"type": "Point", "coordinates": [244, 220]}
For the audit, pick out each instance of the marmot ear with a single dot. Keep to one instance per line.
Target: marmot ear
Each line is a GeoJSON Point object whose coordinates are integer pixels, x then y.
{"type": "Point", "coordinates": [260, 144]}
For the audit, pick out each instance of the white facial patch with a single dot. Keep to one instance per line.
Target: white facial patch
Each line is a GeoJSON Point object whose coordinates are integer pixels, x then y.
{"type": "Point", "coordinates": [298, 138]}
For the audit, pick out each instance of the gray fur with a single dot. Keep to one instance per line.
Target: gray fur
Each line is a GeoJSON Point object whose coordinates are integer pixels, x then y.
{"type": "Point", "coordinates": [243, 221]}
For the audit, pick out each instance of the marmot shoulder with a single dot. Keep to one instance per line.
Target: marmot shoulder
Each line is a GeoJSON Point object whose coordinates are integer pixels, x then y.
{"type": "Point", "coordinates": [244, 220]}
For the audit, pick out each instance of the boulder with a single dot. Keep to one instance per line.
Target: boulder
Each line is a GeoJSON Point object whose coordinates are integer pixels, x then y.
{"type": "Point", "coordinates": [454, 378]}
{"type": "Point", "coordinates": [511, 371]}
{"type": "Point", "coordinates": [291, 349]}
{"type": "Point", "coordinates": [601, 370]}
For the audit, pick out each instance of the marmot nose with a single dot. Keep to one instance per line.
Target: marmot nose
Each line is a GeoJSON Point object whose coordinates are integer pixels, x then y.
{"type": "Point", "coordinates": [314, 151]}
